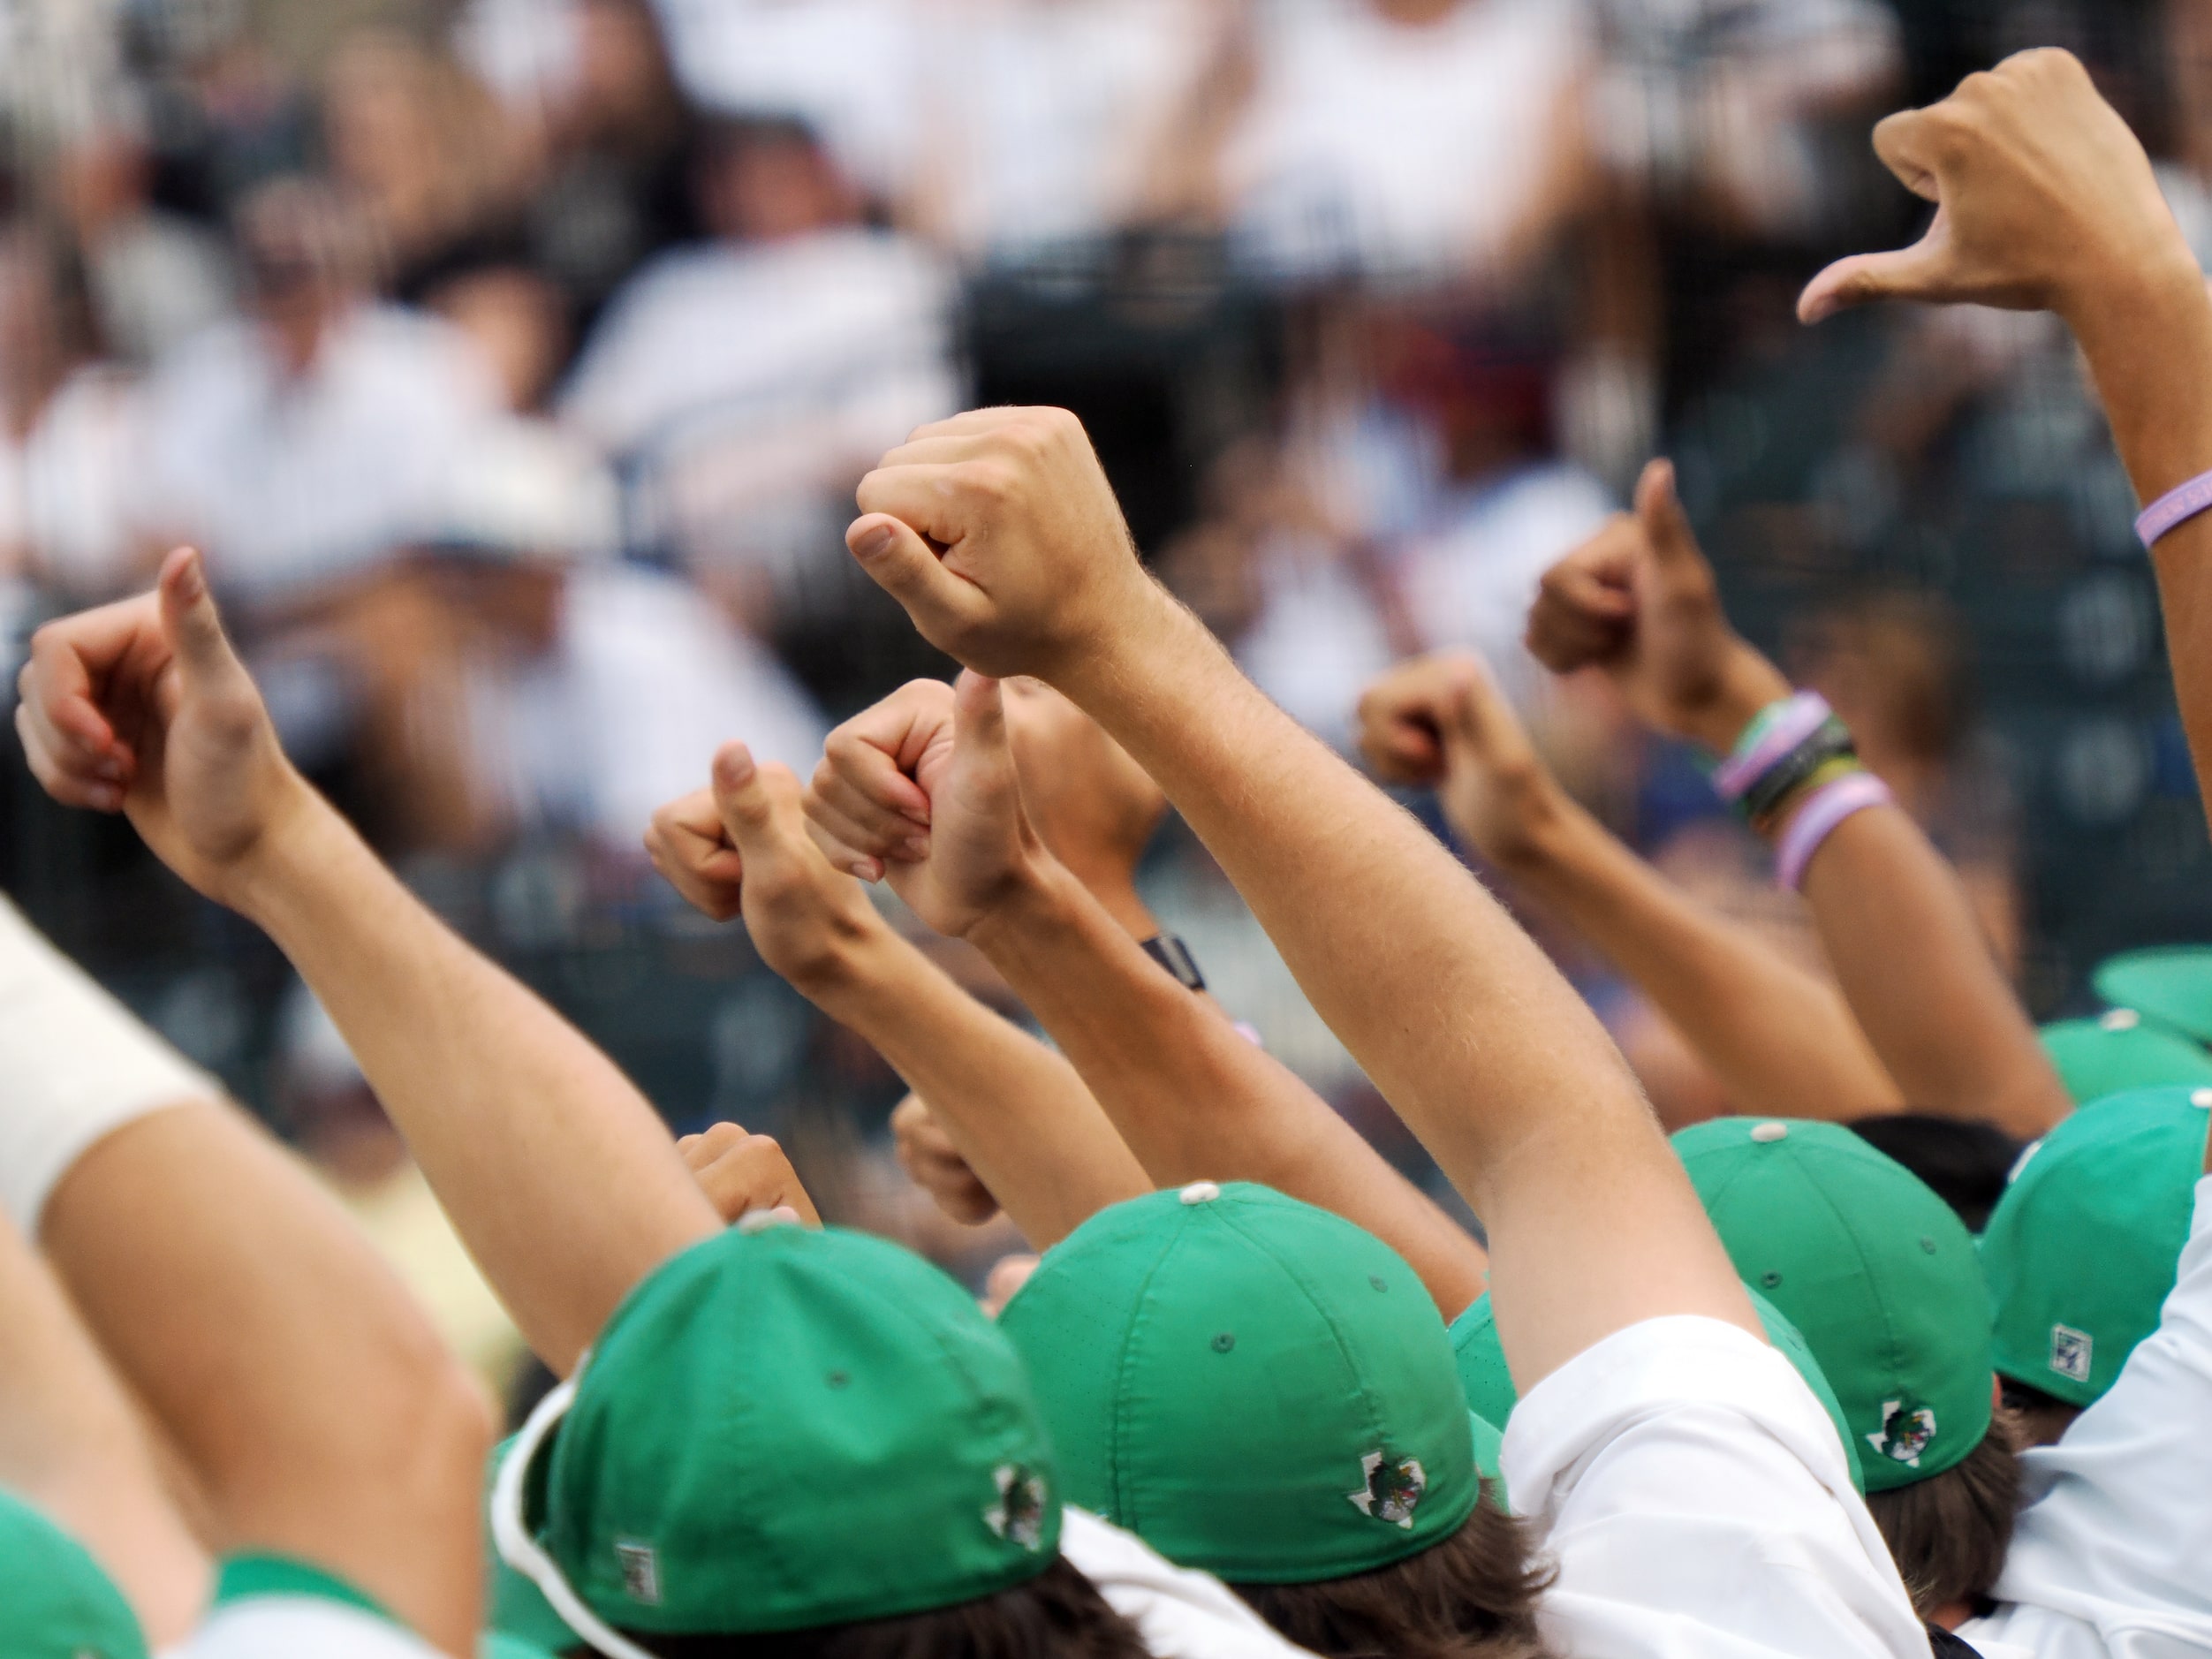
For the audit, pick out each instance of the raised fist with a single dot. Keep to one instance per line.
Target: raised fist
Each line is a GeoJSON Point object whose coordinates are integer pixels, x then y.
{"type": "Point", "coordinates": [998, 532]}
{"type": "Point", "coordinates": [142, 707]}
{"type": "Point", "coordinates": [743, 1175]}
{"type": "Point", "coordinates": [934, 1164]}
{"type": "Point", "coordinates": [1638, 600]}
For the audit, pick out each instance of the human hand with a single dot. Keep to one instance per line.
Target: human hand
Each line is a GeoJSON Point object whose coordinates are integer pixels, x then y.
{"type": "Point", "coordinates": [1007, 1275]}
{"type": "Point", "coordinates": [1639, 601]}
{"type": "Point", "coordinates": [2044, 200]}
{"type": "Point", "coordinates": [998, 532]}
{"type": "Point", "coordinates": [142, 707]}
{"type": "Point", "coordinates": [943, 753]}
{"type": "Point", "coordinates": [743, 1175]}
{"type": "Point", "coordinates": [742, 848]}
{"type": "Point", "coordinates": [1443, 721]}
{"type": "Point", "coordinates": [934, 1164]}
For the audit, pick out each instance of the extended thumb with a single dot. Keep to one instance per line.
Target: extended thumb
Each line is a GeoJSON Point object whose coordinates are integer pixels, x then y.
{"type": "Point", "coordinates": [1909, 273]}
{"type": "Point", "coordinates": [741, 793]}
{"type": "Point", "coordinates": [978, 716]}
{"type": "Point", "coordinates": [1666, 528]}
{"type": "Point", "coordinates": [190, 619]}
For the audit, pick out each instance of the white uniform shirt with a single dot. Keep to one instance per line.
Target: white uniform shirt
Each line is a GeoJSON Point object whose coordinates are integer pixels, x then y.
{"type": "Point", "coordinates": [1696, 1499]}
{"type": "Point", "coordinates": [299, 1627]}
{"type": "Point", "coordinates": [2112, 1557]}
{"type": "Point", "coordinates": [1181, 1614]}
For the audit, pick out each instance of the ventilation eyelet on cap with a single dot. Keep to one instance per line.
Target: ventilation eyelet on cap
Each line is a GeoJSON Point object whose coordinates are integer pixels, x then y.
{"type": "Point", "coordinates": [1765, 1133]}
{"type": "Point", "coordinates": [1201, 1193]}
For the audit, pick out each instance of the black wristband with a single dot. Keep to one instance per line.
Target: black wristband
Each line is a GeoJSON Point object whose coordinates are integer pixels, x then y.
{"type": "Point", "coordinates": [1829, 741]}
{"type": "Point", "coordinates": [1171, 953]}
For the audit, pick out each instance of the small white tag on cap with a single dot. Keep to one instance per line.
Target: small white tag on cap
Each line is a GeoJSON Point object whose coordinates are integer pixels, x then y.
{"type": "Point", "coordinates": [2119, 1019]}
{"type": "Point", "coordinates": [1201, 1193]}
{"type": "Point", "coordinates": [1763, 1133]}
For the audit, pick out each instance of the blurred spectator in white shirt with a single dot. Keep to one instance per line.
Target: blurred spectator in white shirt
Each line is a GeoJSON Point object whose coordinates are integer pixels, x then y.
{"type": "Point", "coordinates": [745, 385]}
{"type": "Point", "coordinates": [849, 69]}
{"type": "Point", "coordinates": [1046, 120]}
{"type": "Point", "coordinates": [1422, 141]}
{"type": "Point", "coordinates": [309, 441]}
{"type": "Point", "coordinates": [68, 428]}
{"type": "Point", "coordinates": [156, 275]}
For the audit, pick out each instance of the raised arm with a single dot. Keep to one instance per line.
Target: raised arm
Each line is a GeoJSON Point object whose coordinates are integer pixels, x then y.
{"type": "Point", "coordinates": [1780, 1039]}
{"type": "Point", "coordinates": [1193, 1097]}
{"type": "Point", "coordinates": [1640, 601]}
{"type": "Point", "coordinates": [515, 1117]}
{"type": "Point", "coordinates": [2046, 202]}
{"type": "Point", "coordinates": [1455, 1014]}
{"type": "Point", "coordinates": [1016, 1111]}
{"type": "Point", "coordinates": [308, 1403]}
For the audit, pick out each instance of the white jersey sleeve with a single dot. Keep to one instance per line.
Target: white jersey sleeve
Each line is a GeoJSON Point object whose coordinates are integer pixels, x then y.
{"type": "Point", "coordinates": [2112, 1557]}
{"type": "Point", "coordinates": [1179, 1613]}
{"type": "Point", "coordinates": [299, 1627]}
{"type": "Point", "coordinates": [1697, 1502]}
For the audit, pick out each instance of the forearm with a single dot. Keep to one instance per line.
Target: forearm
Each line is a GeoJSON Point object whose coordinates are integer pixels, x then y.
{"type": "Point", "coordinates": [559, 1175]}
{"type": "Point", "coordinates": [1192, 1096]}
{"type": "Point", "coordinates": [1909, 957]}
{"type": "Point", "coordinates": [1781, 1040]}
{"type": "Point", "coordinates": [2148, 336]}
{"type": "Point", "coordinates": [1018, 1113]}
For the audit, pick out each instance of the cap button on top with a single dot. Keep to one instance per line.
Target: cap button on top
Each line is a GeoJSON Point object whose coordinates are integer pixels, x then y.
{"type": "Point", "coordinates": [1764, 1133]}
{"type": "Point", "coordinates": [1201, 1193]}
{"type": "Point", "coordinates": [2200, 1097]}
{"type": "Point", "coordinates": [2119, 1019]}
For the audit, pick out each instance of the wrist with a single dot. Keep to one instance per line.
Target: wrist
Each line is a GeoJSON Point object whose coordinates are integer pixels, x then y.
{"type": "Point", "coordinates": [303, 841]}
{"type": "Point", "coordinates": [1040, 894]}
{"type": "Point", "coordinates": [1748, 683]}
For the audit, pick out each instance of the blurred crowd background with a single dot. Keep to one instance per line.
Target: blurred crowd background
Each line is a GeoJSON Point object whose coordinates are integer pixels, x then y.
{"type": "Point", "coordinates": [514, 362]}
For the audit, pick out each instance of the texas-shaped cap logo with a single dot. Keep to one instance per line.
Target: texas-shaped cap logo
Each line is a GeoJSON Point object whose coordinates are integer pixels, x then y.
{"type": "Point", "coordinates": [1905, 1435]}
{"type": "Point", "coordinates": [1391, 1488]}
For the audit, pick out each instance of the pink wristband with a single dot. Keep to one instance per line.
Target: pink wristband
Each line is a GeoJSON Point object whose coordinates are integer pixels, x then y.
{"type": "Point", "coordinates": [1797, 718]}
{"type": "Point", "coordinates": [1816, 820]}
{"type": "Point", "coordinates": [2182, 502]}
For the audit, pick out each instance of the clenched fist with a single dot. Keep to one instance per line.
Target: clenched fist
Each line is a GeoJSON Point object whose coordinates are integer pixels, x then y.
{"type": "Point", "coordinates": [998, 532]}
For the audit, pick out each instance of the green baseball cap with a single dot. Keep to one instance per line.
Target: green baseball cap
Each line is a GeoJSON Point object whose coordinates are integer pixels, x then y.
{"type": "Point", "coordinates": [1491, 1395]}
{"type": "Point", "coordinates": [2170, 983]}
{"type": "Point", "coordinates": [1877, 1272]}
{"type": "Point", "coordinates": [55, 1603]}
{"type": "Point", "coordinates": [2083, 1247]}
{"type": "Point", "coordinates": [1253, 1386]}
{"type": "Point", "coordinates": [781, 1428]}
{"type": "Point", "coordinates": [2119, 1050]}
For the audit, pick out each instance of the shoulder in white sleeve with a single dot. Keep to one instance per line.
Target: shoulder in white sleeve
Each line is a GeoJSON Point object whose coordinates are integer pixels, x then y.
{"type": "Point", "coordinates": [1181, 1614]}
{"type": "Point", "coordinates": [1696, 1500]}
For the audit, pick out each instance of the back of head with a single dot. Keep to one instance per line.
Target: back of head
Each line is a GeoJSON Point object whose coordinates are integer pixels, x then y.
{"type": "Point", "coordinates": [55, 1603]}
{"type": "Point", "coordinates": [1965, 1164]}
{"type": "Point", "coordinates": [2083, 1247]}
{"type": "Point", "coordinates": [1261, 1390]}
{"type": "Point", "coordinates": [785, 1432]}
{"type": "Point", "coordinates": [1881, 1276]}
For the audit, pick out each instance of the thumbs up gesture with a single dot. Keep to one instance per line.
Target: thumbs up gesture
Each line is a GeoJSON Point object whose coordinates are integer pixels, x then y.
{"type": "Point", "coordinates": [2044, 200]}
{"type": "Point", "coordinates": [1638, 600]}
{"type": "Point", "coordinates": [142, 707]}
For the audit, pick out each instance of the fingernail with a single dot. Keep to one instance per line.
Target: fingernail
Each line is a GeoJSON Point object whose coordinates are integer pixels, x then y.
{"type": "Point", "coordinates": [738, 770]}
{"type": "Point", "coordinates": [110, 769]}
{"type": "Point", "coordinates": [867, 869]}
{"type": "Point", "coordinates": [189, 583]}
{"type": "Point", "coordinates": [916, 846]}
{"type": "Point", "coordinates": [919, 814]}
{"type": "Point", "coordinates": [873, 541]}
{"type": "Point", "coordinates": [107, 798]}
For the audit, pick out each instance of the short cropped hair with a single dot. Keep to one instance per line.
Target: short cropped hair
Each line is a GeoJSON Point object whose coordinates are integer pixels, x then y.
{"type": "Point", "coordinates": [1472, 1596]}
{"type": "Point", "coordinates": [1949, 1533]}
{"type": "Point", "coordinates": [1058, 1614]}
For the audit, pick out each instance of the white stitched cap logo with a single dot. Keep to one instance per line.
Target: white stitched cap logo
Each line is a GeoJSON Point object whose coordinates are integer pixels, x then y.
{"type": "Point", "coordinates": [1018, 1515]}
{"type": "Point", "coordinates": [1391, 1488]}
{"type": "Point", "coordinates": [641, 1571]}
{"type": "Point", "coordinates": [2070, 1351]}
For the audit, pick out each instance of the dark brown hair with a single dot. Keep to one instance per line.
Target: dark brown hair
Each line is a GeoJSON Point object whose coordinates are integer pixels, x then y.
{"type": "Point", "coordinates": [1473, 1596]}
{"type": "Point", "coordinates": [1058, 1614]}
{"type": "Point", "coordinates": [1949, 1533]}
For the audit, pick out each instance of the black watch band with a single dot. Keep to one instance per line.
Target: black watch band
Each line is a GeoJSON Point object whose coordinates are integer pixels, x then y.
{"type": "Point", "coordinates": [1171, 953]}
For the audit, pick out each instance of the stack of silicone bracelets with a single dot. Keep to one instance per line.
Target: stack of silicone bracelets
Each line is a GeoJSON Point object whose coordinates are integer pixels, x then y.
{"type": "Point", "coordinates": [1795, 762]}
